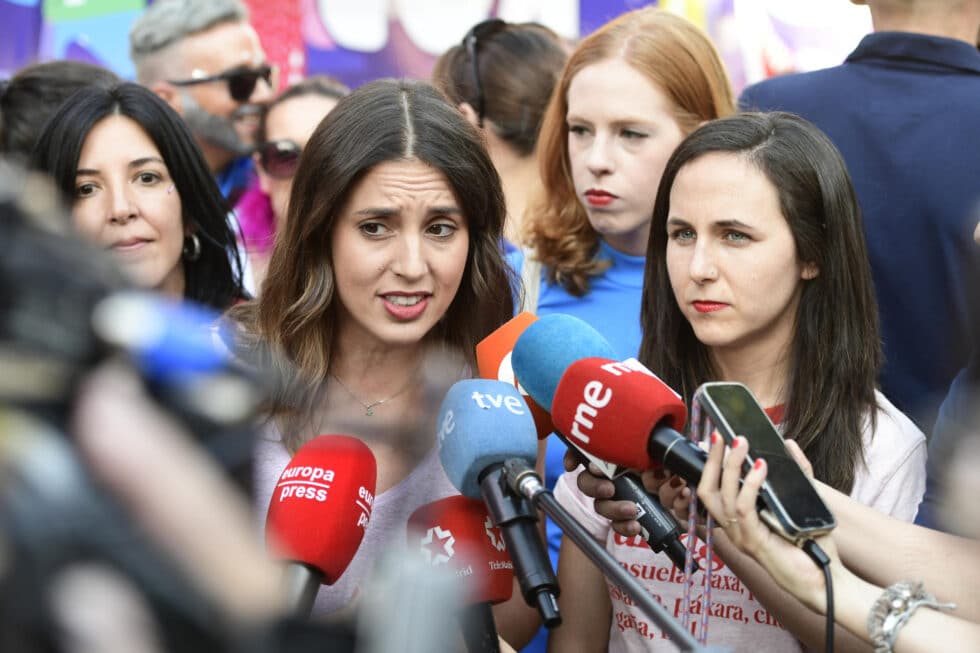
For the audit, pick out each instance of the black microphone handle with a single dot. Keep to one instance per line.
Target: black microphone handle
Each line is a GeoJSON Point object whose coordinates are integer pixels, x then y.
{"type": "Point", "coordinates": [479, 629]}
{"type": "Point", "coordinates": [659, 528]}
{"type": "Point", "coordinates": [302, 584]}
{"type": "Point", "coordinates": [518, 522]}
{"type": "Point", "coordinates": [678, 454]}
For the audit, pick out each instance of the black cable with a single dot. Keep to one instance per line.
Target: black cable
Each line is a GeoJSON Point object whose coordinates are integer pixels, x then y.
{"type": "Point", "coordinates": [823, 561]}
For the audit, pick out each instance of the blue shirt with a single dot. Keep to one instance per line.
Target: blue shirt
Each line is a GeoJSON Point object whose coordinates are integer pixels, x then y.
{"type": "Point", "coordinates": [611, 307]}
{"type": "Point", "coordinates": [904, 111]}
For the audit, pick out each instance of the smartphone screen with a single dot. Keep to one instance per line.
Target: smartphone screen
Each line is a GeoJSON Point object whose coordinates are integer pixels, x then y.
{"type": "Point", "coordinates": [790, 494]}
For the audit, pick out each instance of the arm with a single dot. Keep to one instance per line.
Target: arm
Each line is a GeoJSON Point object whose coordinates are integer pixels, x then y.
{"type": "Point", "coordinates": [800, 621]}
{"type": "Point", "coordinates": [927, 630]}
{"type": "Point", "coordinates": [945, 563]}
{"type": "Point", "coordinates": [584, 603]}
{"type": "Point", "coordinates": [517, 622]}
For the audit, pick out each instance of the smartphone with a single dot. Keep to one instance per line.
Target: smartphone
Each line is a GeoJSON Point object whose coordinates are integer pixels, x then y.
{"type": "Point", "coordinates": [790, 503]}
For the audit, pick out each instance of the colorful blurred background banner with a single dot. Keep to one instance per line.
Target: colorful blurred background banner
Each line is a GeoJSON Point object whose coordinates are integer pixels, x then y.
{"type": "Point", "coordinates": [360, 40]}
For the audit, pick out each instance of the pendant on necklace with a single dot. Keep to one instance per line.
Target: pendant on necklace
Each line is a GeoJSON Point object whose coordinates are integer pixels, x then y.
{"type": "Point", "coordinates": [369, 411]}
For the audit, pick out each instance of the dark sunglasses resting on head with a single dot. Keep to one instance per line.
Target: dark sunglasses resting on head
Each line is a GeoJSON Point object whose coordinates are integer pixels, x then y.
{"type": "Point", "coordinates": [471, 42]}
{"type": "Point", "coordinates": [241, 80]}
{"type": "Point", "coordinates": [279, 158]}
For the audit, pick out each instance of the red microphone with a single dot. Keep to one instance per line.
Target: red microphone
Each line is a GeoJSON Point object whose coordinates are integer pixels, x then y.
{"type": "Point", "coordinates": [493, 355]}
{"type": "Point", "coordinates": [457, 532]}
{"type": "Point", "coordinates": [623, 413]}
{"type": "Point", "coordinates": [318, 513]}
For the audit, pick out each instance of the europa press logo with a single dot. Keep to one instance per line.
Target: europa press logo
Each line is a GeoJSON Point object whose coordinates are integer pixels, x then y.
{"type": "Point", "coordinates": [437, 546]}
{"type": "Point", "coordinates": [494, 535]}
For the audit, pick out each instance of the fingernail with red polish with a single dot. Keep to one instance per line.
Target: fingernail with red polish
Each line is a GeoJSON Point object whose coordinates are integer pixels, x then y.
{"type": "Point", "coordinates": [757, 464]}
{"type": "Point", "coordinates": [714, 438]}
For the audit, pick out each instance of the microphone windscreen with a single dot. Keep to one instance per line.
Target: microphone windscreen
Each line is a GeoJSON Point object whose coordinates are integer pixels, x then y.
{"type": "Point", "coordinates": [493, 360]}
{"type": "Point", "coordinates": [546, 349]}
{"type": "Point", "coordinates": [609, 409]}
{"type": "Point", "coordinates": [483, 422]}
{"type": "Point", "coordinates": [457, 532]}
{"type": "Point", "coordinates": [322, 503]}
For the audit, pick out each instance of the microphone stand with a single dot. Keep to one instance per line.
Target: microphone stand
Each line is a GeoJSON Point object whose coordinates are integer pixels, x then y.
{"type": "Point", "coordinates": [523, 481]}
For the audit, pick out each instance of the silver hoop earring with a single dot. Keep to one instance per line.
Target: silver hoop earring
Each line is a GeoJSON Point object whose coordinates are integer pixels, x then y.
{"type": "Point", "coordinates": [192, 247]}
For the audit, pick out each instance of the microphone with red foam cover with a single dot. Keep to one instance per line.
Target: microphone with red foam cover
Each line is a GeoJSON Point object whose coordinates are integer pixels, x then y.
{"type": "Point", "coordinates": [493, 360]}
{"type": "Point", "coordinates": [621, 412]}
{"type": "Point", "coordinates": [319, 511]}
{"type": "Point", "coordinates": [457, 532]}
{"type": "Point", "coordinates": [542, 356]}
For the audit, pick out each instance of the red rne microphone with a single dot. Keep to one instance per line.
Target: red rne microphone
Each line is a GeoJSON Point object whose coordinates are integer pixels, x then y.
{"type": "Point", "coordinates": [614, 409]}
{"type": "Point", "coordinates": [493, 355]}
{"type": "Point", "coordinates": [319, 511]}
{"type": "Point", "coordinates": [457, 532]}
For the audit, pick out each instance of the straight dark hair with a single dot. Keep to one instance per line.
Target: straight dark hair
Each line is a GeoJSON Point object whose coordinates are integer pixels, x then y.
{"type": "Point", "coordinates": [214, 278]}
{"type": "Point", "coordinates": [836, 350]}
{"type": "Point", "coordinates": [294, 320]}
{"type": "Point", "coordinates": [36, 92]}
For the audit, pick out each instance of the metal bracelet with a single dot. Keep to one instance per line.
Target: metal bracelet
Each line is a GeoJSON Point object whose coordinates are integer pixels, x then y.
{"type": "Point", "coordinates": [894, 608]}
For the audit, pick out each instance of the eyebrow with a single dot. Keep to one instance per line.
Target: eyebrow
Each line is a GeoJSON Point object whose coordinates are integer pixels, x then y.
{"type": "Point", "coordinates": [135, 163]}
{"type": "Point", "coordinates": [388, 212]}
{"type": "Point", "coordinates": [619, 122]}
{"type": "Point", "coordinates": [724, 224]}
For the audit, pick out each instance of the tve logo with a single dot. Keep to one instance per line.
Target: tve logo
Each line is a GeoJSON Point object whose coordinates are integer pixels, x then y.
{"type": "Point", "coordinates": [487, 401]}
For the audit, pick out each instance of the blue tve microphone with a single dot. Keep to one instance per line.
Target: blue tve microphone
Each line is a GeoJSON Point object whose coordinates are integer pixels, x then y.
{"type": "Point", "coordinates": [482, 424]}
{"type": "Point", "coordinates": [541, 356]}
{"type": "Point", "coordinates": [547, 347]}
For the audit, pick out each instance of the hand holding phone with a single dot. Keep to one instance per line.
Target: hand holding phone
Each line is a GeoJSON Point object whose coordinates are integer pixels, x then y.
{"type": "Point", "coordinates": [790, 505]}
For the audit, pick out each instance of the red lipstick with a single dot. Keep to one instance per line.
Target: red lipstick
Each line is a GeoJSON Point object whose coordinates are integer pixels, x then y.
{"type": "Point", "coordinates": [599, 198]}
{"type": "Point", "coordinates": [708, 307]}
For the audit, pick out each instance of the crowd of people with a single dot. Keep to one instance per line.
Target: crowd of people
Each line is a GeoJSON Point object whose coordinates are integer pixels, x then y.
{"type": "Point", "coordinates": [816, 239]}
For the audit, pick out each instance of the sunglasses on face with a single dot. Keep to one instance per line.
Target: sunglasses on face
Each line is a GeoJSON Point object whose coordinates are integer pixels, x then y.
{"type": "Point", "coordinates": [279, 159]}
{"type": "Point", "coordinates": [241, 81]}
{"type": "Point", "coordinates": [481, 31]}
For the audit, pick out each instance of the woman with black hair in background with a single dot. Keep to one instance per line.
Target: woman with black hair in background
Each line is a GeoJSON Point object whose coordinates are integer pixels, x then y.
{"type": "Point", "coordinates": [139, 186]}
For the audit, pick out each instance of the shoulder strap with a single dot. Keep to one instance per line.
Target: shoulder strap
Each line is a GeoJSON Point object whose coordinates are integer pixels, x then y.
{"type": "Point", "coordinates": [530, 282]}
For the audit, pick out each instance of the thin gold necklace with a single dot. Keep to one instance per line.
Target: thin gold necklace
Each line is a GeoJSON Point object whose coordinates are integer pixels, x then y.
{"type": "Point", "coordinates": [369, 407]}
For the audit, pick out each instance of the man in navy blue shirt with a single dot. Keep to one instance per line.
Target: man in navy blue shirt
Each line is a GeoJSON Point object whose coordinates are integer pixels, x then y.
{"type": "Point", "coordinates": [904, 110]}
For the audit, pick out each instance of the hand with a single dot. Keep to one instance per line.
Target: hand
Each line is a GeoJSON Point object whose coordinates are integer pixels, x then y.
{"type": "Point", "coordinates": [734, 509]}
{"type": "Point", "coordinates": [591, 482]}
{"type": "Point", "coordinates": [190, 509]}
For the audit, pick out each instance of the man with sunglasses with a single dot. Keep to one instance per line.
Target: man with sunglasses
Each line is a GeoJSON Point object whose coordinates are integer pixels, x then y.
{"type": "Point", "coordinates": [205, 60]}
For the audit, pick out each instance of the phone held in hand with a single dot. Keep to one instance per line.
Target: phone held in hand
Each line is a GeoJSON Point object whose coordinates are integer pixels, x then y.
{"type": "Point", "coordinates": [790, 504]}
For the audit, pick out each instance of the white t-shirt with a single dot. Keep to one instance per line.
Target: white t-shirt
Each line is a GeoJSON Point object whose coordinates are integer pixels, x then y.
{"type": "Point", "coordinates": [893, 482]}
{"type": "Point", "coordinates": [387, 529]}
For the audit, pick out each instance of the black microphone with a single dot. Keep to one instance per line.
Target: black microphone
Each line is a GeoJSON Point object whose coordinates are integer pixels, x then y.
{"type": "Point", "coordinates": [482, 423]}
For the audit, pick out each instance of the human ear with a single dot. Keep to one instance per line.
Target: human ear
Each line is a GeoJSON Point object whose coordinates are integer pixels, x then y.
{"type": "Point", "coordinates": [260, 173]}
{"type": "Point", "coordinates": [809, 271]}
{"type": "Point", "coordinates": [469, 113]}
{"type": "Point", "coordinates": [169, 94]}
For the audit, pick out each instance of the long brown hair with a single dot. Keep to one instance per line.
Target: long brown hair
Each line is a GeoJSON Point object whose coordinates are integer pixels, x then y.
{"type": "Point", "coordinates": [674, 55]}
{"type": "Point", "coordinates": [518, 64]}
{"type": "Point", "coordinates": [836, 350]}
{"type": "Point", "coordinates": [293, 323]}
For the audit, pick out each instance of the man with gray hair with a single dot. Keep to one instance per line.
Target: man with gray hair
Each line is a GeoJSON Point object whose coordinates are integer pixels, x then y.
{"type": "Point", "coordinates": [205, 60]}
